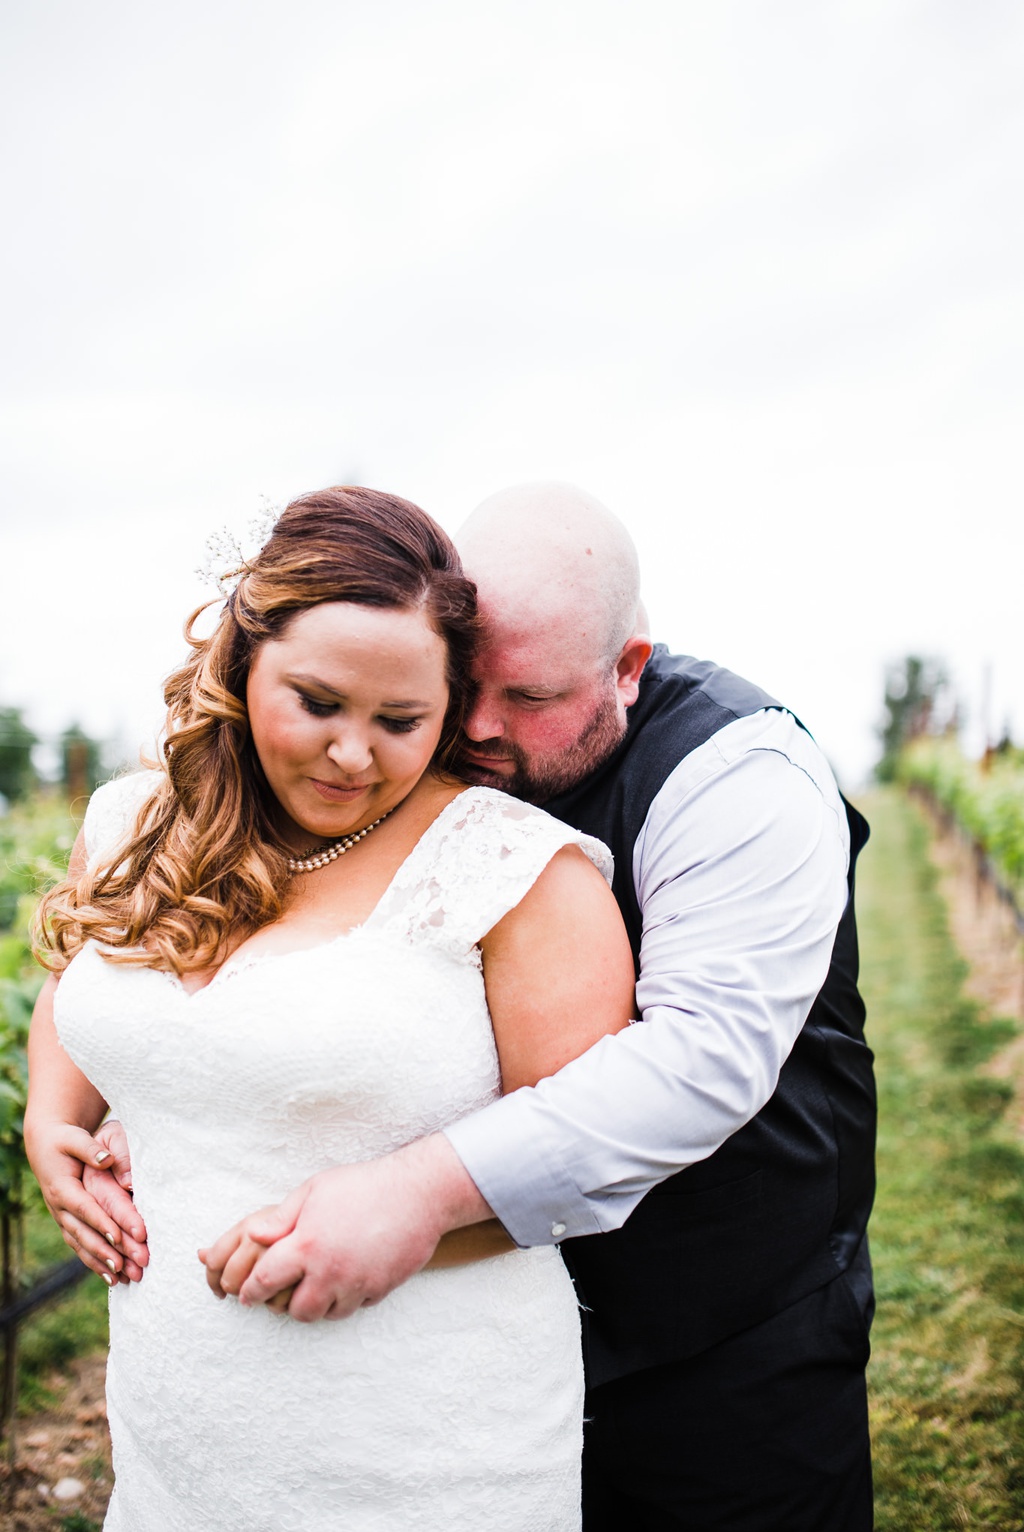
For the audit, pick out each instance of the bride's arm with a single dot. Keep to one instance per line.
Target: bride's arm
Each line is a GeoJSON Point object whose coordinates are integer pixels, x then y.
{"type": "Point", "coordinates": [61, 1117]}
{"type": "Point", "coordinates": [62, 1113]}
{"type": "Point", "coordinates": [558, 972]}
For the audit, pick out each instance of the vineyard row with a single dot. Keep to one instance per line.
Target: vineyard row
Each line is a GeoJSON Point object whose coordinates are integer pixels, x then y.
{"type": "Point", "coordinates": [984, 798]}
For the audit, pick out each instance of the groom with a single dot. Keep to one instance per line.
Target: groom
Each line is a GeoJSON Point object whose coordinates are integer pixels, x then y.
{"type": "Point", "coordinates": [726, 1321]}
{"type": "Point", "coordinates": [727, 1325]}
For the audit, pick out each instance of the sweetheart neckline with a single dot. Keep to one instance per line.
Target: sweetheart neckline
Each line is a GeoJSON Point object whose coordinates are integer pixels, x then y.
{"type": "Point", "coordinates": [229, 967]}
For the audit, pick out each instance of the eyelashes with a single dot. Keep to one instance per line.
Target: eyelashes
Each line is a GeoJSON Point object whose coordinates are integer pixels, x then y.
{"type": "Point", "coordinates": [317, 709]}
{"type": "Point", "coordinates": [326, 709]}
{"type": "Point", "coordinates": [401, 725]}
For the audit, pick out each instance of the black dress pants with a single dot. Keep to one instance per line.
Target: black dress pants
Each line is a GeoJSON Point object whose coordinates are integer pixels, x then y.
{"type": "Point", "coordinates": [765, 1432]}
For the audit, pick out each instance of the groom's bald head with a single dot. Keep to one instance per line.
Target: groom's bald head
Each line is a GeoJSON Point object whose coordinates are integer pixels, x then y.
{"type": "Point", "coordinates": [559, 590]}
{"type": "Point", "coordinates": [552, 557]}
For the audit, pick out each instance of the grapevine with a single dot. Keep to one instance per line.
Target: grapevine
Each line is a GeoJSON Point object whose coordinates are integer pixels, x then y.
{"type": "Point", "coordinates": [35, 839]}
{"type": "Point", "coordinates": [985, 798]}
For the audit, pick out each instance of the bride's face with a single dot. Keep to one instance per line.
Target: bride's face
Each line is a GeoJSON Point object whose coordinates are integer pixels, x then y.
{"type": "Point", "coordinates": [346, 710]}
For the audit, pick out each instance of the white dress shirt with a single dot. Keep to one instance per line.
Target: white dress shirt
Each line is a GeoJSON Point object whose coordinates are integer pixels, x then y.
{"type": "Point", "coordinates": [740, 871]}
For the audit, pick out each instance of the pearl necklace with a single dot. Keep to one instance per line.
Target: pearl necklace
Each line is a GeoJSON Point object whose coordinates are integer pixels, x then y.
{"type": "Point", "coordinates": [310, 862]}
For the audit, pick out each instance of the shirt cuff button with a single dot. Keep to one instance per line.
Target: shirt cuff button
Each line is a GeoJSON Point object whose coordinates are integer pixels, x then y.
{"type": "Point", "coordinates": [557, 1230]}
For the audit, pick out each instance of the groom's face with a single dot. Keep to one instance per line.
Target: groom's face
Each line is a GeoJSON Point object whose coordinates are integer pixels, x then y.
{"type": "Point", "coordinates": [546, 713]}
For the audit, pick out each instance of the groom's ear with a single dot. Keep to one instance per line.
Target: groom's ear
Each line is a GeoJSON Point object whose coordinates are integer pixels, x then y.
{"type": "Point", "coordinates": [629, 668]}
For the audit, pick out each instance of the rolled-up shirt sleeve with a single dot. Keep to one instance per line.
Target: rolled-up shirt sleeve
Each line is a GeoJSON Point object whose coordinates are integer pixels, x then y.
{"type": "Point", "coordinates": [740, 870]}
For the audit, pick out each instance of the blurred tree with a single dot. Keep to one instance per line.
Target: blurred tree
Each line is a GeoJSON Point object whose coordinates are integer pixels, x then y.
{"type": "Point", "coordinates": [913, 688]}
{"type": "Point", "coordinates": [80, 761]}
{"type": "Point", "coordinates": [17, 773]}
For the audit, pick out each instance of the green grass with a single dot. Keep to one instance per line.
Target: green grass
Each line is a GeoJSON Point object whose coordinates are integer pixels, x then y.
{"type": "Point", "coordinates": [948, 1229]}
{"type": "Point", "coordinates": [73, 1326]}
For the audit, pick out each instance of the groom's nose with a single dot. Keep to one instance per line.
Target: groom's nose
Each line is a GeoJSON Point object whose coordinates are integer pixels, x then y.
{"type": "Point", "coordinates": [484, 721]}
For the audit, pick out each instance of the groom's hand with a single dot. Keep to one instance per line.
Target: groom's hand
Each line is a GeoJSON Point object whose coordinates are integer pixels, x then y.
{"type": "Point", "coordinates": [348, 1236]}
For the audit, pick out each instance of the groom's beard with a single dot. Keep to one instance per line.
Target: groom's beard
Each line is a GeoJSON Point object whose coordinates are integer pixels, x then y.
{"type": "Point", "coordinates": [540, 777]}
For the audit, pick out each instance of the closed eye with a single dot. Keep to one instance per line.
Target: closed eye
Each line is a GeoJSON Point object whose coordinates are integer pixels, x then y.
{"type": "Point", "coordinates": [317, 709]}
{"type": "Point", "coordinates": [400, 725]}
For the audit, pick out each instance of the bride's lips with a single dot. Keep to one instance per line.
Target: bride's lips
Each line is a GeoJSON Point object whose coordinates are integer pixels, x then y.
{"type": "Point", "coordinates": [335, 794]}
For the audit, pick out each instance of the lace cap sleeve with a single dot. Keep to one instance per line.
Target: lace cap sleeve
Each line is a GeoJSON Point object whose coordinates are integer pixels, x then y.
{"type": "Point", "coordinates": [111, 813]}
{"type": "Point", "coordinates": [474, 864]}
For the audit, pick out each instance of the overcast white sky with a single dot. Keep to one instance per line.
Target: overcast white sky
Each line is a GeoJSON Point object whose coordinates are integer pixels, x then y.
{"type": "Point", "coordinates": [752, 271]}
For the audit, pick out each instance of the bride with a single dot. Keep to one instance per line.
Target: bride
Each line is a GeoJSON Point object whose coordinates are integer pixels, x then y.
{"type": "Point", "coordinates": [304, 942]}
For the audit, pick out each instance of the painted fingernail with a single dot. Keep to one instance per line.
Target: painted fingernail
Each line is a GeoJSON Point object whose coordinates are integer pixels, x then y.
{"type": "Point", "coordinates": [112, 1265]}
{"type": "Point", "coordinates": [109, 1237]}
{"type": "Point", "coordinates": [101, 1155]}
{"type": "Point", "coordinates": [108, 1280]}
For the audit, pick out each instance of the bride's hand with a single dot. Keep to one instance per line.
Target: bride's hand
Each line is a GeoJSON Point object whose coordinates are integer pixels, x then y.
{"type": "Point", "coordinates": [231, 1259]}
{"type": "Point", "coordinates": [59, 1154]}
{"type": "Point", "coordinates": [348, 1236]}
{"type": "Point", "coordinates": [111, 1188]}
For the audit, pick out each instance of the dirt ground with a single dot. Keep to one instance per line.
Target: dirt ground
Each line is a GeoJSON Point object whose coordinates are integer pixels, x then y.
{"type": "Point", "coordinates": [56, 1450]}
{"type": "Point", "coordinates": [985, 931]}
{"type": "Point", "coordinates": [71, 1442]}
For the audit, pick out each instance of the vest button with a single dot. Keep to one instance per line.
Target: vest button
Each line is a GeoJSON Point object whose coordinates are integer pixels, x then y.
{"type": "Point", "coordinates": [557, 1230]}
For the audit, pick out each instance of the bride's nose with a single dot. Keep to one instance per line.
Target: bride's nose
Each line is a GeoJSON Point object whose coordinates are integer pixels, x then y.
{"type": "Point", "coordinates": [349, 750]}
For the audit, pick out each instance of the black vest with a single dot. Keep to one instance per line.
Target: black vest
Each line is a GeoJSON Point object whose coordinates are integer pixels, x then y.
{"type": "Point", "coordinates": [782, 1207]}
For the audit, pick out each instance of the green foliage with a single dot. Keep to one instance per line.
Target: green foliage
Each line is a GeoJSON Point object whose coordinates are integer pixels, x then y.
{"type": "Point", "coordinates": [913, 688]}
{"type": "Point", "coordinates": [16, 1001]}
{"type": "Point", "coordinates": [986, 798]}
{"type": "Point", "coordinates": [35, 839]}
{"type": "Point", "coordinates": [17, 774]}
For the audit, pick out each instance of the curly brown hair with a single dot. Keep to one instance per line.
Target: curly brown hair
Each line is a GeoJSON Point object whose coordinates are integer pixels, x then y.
{"type": "Point", "coordinates": [205, 865]}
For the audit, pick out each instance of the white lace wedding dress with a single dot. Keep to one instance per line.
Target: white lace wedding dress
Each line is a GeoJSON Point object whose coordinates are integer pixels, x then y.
{"type": "Point", "coordinates": [455, 1405]}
